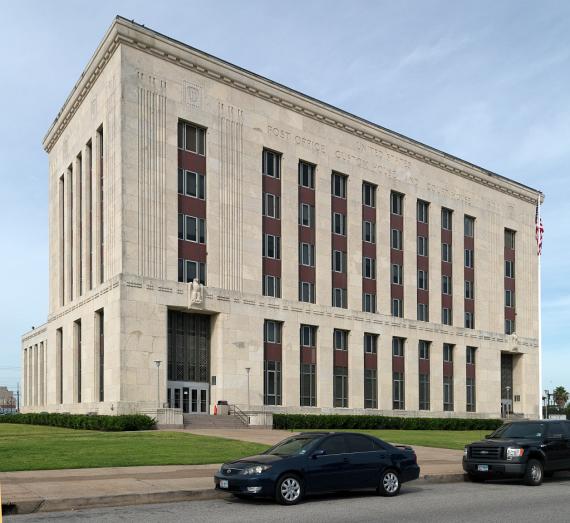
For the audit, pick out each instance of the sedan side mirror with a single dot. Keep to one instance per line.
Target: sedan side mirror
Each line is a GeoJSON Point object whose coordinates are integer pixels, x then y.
{"type": "Point", "coordinates": [318, 452]}
{"type": "Point", "coordinates": [488, 436]}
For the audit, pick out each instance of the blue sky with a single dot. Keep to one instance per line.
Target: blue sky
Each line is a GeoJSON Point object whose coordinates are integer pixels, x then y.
{"type": "Point", "coordinates": [487, 81]}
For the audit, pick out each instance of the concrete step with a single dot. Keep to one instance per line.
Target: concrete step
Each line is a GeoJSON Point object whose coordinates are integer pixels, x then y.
{"type": "Point", "coordinates": [212, 422]}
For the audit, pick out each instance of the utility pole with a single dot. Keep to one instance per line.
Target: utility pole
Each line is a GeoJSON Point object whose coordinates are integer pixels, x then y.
{"type": "Point", "coordinates": [18, 397]}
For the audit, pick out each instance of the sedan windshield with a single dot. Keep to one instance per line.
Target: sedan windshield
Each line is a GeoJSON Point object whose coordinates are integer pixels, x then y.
{"type": "Point", "coordinates": [291, 446]}
{"type": "Point", "coordinates": [520, 430]}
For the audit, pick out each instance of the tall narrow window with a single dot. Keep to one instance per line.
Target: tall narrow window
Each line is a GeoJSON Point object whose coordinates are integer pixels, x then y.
{"type": "Point", "coordinates": [339, 185]}
{"type": "Point", "coordinates": [100, 345]}
{"type": "Point", "coordinates": [59, 357]}
{"type": "Point", "coordinates": [398, 347]}
{"type": "Point", "coordinates": [369, 194]}
{"type": "Point", "coordinates": [62, 265]}
{"type": "Point", "coordinates": [308, 387]}
{"type": "Point", "coordinates": [340, 339]}
{"type": "Point", "coordinates": [470, 393]}
{"type": "Point", "coordinates": [78, 341]}
{"type": "Point", "coordinates": [469, 226]}
{"type": "Point", "coordinates": [272, 383]}
{"type": "Point", "coordinates": [509, 239]}
{"type": "Point", "coordinates": [272, 362]}
{"type": "Point", "coordinates": [271, 206]}
{"type": "Point", "coordinates": [370, 343]}
{"type": "Point", "coordinates": [422, 211]}
{"type": "Point", "coordinates": [370, 389]}
{"type": "Point", "coordinates": [448, 393]}
{"type": "Point", "coordinates": [424, 399]}
{"type": "Point", "coordinates": [306, 175]}
{"type": "Point", "coordinates": [398, 391]}
{"type": "Point", "coordinates": [89, 203]}
{"type": "Point", "coordinates": [272, 286]}
{"type": "Point", "coordinates": [71, 231]}
{"type": "Point", "coordinates": [80, 222]}
{"type": "Point", "coordinates": [271, 163]}
{"type": "Point", "coordinates": [446, 219]}
{"type": "Point", "coordinates": [340, 387]}
{"type": "Point", "coordinates": [396, 203]}
{"type": "Point", "coordinates": [101, 187]}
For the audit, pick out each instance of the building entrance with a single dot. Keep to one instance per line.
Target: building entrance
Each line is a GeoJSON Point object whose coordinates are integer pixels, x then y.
{"type": "Point", "coordinates": [188, 385]}
{"type": "Point", "coordinates": [506, 385]}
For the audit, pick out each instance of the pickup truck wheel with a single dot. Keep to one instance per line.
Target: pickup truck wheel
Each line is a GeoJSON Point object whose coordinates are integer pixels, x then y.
{"type": "Point", "coordinates": [534, 473]}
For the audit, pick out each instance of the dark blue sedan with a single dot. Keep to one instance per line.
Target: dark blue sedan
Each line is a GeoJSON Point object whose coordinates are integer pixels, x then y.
{"type": "Point", "coordinates": [316, 462]}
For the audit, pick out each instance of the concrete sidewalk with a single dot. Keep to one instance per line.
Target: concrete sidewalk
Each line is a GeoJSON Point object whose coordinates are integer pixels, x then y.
{"type": "Point", "coordinates": [70, 489]}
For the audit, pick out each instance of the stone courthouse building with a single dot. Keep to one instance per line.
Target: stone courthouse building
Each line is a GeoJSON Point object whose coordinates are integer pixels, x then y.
{"type": "Point", "coordinates": [272, 251]}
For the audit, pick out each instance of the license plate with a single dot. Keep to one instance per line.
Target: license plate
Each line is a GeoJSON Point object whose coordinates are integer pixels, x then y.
{"type": "Point", "coordinates": [223, 483]}
{"type": "Point", "coordinates": [483, 468]}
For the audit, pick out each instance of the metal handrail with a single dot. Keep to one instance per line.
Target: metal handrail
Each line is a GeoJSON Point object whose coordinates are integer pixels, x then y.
{"type": "Point", "coordinates": [236, 411]}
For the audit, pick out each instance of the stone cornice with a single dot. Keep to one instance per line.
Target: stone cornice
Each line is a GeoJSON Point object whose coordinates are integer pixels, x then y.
{"type": "Point", "coordinates": [155, 44]}
{"type": "Point", "coordinates": [34, 333]}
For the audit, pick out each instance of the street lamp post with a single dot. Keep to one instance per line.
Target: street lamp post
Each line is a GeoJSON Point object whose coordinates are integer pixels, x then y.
{"type": "Point", "coordinates": [547, 395]}
{"type": "Point", "coordinates": [157, 363]}
{"type": "Point", "coordinates": [508, 389]}
{"type": "Point", "coordinates": [248, 369]}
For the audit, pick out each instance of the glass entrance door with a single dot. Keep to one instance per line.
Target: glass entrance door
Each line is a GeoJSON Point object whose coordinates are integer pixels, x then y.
{"type": "Point", "coordinates": [189, 362]}
{"type": "Point", "coordinates": [192, 398]}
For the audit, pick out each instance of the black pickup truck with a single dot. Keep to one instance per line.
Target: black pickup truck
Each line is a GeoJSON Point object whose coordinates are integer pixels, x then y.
{"type": "Point", "coordinates": [521, 449]}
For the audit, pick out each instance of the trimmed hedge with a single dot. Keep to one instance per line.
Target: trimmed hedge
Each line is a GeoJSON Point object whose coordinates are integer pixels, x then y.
{"type": "Point", "coordinates": [81, 421]}
{"type": "Point", "coordinates": [339, 421]}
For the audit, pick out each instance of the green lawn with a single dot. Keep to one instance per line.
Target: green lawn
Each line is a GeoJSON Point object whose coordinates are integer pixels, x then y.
{"type": "Point", "coordinates": [30, 447]}
{"type": "Point", "coordinates": [445, 439]}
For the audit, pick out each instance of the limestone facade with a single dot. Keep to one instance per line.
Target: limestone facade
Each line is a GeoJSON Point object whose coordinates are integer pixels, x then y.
{"type": "Point", "coordinates": [114, 246]}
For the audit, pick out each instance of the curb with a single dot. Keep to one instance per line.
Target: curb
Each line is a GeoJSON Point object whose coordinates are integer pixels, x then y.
{"type": "Point", "coordinates": [442, 478]}
{"type": "Point", "coordinates": [68, 504]}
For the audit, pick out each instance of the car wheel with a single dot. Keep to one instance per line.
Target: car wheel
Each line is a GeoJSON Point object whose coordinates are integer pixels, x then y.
{"type": "Point", "coordinates": [289, 490]}
{"type": "Point", "coordinates": [389, 483]}
{"type": "Point", "coordinates": [474, 478]}
{"type": "Point", "coordinates": [534, 473]}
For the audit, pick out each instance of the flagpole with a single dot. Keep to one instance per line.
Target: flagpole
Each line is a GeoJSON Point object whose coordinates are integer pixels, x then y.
{"type": "Point", "coordinates": [538, 246]}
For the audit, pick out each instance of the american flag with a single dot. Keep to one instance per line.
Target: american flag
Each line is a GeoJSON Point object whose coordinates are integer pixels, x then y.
{"type": "Point", "coordinates": [539, 231]}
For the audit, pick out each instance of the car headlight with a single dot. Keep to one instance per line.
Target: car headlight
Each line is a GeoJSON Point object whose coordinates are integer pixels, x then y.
{"type": "Point", "coordinates": [257, 469]}
{"type": "Point", "coordinates": [465, 451]}
{"type": "Point", "coordinates": [514, 452]}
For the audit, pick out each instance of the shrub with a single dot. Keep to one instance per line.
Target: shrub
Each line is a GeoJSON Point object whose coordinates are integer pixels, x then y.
{"type": "Point", "coordinates": [82, 421]}
{"type": "Point", "coordinates": [338, 421]}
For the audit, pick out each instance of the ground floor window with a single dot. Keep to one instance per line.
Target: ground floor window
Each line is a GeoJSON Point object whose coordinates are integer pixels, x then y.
{"type": "Point", "coordinates": [272, 383]}
{"type": "Point", "coordinates": [448, 393]}
{"type": "Point", "coordinates": [398, 391]}
{"type": "Point", "coordinates": [470, 383]}
{"type": "Point", "coordinates": [340, 387]}
{"type": "Point", "coordinates": [308, 385]}
{"type": "Point", "coordinates": [424, 392]}
{"type": "Point", "coordinates": [370, 389]}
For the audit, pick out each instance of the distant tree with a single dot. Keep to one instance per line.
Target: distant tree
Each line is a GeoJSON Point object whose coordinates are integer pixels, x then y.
{"type": "Point", "coordinates": [561, 396]}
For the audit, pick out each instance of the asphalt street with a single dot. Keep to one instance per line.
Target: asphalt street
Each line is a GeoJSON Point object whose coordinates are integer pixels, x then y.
{"type": "Point", "coordinates": [426, 502]}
